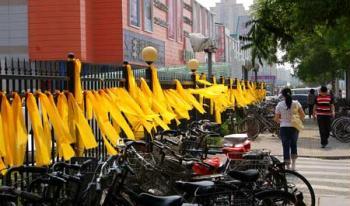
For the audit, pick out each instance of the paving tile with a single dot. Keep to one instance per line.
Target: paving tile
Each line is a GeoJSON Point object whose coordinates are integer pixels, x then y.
{"type": "Point", "coordinates": [308, 144]}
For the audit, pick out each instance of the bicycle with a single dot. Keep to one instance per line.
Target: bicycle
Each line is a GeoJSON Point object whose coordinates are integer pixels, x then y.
{"type": "Point", "coordinates": [199, 193]}
{"type": "Point", "coordinates": [340, 129]}
{"type": "Point", "coordinates": [258, 120]}
{"type": "Point", "coordinates": [261, 164]}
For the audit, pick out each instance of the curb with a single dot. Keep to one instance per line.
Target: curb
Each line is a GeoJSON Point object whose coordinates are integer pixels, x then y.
{"type": "Point", "coordinates": [323, 157]}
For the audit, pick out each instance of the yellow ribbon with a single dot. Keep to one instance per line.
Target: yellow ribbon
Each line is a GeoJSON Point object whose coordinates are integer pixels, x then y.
{"type": "Point", "coordinates": [78, 92]}
{"type": "Point", "coordinates": [62, 134]}
{"type": "Point", "coordinates": [42, 142]}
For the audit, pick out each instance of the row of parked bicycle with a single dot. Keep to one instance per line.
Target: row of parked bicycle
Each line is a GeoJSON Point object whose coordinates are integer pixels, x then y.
{"type": "Point", "coordinates": [257, 119]}
{"type": "Point", "coordinates": [193, 166]}
{"type": "Point", "coordinates": [340, 126]}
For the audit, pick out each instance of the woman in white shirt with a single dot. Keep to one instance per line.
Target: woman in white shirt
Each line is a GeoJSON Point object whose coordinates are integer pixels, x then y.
{"type": "Point", "coordinates": [289, 134]}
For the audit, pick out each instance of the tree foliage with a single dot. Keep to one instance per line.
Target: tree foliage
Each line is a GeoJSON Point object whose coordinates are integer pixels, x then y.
{"type": "Point", "coordinates": [315, 35]}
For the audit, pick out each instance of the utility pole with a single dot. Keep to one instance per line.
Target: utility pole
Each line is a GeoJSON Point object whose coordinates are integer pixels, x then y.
{"type": "Point", "coordinates": [347, 79]}
{"type": "Point", "coordinates": [210, 64]}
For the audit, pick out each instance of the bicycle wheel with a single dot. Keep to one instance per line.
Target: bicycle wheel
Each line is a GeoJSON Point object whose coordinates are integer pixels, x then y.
{"type": "Point", "coordinates": [250, 126]}
{"type": "Point", "coordinates": [335, 121]}
{"type": "Point", "coordinates": [294, 183]}
{"type": "Point", "coordinates": [341, 129]}
{"type": "Point", "coordinates": [274, 198]}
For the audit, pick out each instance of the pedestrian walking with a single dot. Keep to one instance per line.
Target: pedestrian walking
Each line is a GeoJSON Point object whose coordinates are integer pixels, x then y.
{"type": "Point", "coordinates": [324, 111]}
{"type": "Point", "coordinates": [311, 99]}
{"type": "Point", "coordinates": [285, 114]}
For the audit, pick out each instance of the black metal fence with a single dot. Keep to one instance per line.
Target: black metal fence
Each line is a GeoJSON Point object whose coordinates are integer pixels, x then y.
{"type": "Point", "coordinates": [30, 76]}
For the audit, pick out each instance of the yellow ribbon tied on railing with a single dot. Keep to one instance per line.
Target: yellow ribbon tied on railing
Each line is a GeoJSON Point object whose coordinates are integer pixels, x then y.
{"type": "Point", "coordinates": [14, 129]}
{"type": "Point", "coordinates": [78, 92]}
{"type": "Point", "coordinates": [109, 135]}
{"type": "Point", "coordinates": [202, 80]}
{"type": "Point", "coordinates": [188, 97]}
{"type": "Point", "coordinates": [159, 102]}
{"type": "Point", "coordinates": [81, 125]}
{"type": "Point", "coordinates": [42, 141]}
{"type": "Point", "coordinates": [2, 148]}
{"type": "Point", "coordinates": [143, 101]}
{"type": "Point", "coordinates": [62, 134]}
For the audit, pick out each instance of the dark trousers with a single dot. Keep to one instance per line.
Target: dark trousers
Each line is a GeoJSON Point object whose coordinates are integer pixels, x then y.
{"type": "Point", "coordinates": [289, 137]}
{"type": "Point", "coordinates": [324, 125]}
{"type": "Point", "coordinates": [311, 109]}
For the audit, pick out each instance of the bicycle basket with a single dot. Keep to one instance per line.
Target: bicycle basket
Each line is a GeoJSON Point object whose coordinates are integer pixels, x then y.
{"type": "Point", "coordinates": [216, 195]}
{"type": "Point", "coordinates": [190, 146]}
{"type": "Point", "coordinates": [260, 161]}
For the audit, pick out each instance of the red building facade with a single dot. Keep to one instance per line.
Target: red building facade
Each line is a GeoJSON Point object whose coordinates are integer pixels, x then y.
{"type": "Point", "coordinates": [113, 31]}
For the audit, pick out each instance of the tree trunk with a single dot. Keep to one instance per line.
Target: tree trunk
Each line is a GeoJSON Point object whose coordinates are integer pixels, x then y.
{"type": "Point", "coordinates": [347, 86]}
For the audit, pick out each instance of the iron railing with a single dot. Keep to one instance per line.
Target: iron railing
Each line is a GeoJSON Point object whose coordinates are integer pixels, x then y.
{"type": "Point", "coordinates": [30, 76]}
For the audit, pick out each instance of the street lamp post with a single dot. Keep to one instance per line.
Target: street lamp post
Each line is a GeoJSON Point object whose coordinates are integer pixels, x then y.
{"type": "Point", "coordinates": [149, 55]}
{"type": "Point", "coordinates": [193, 65]}
{"type": "Point", "coordinates": [210, 51]}
{"type": "Point", "coordinates": [210, 64]}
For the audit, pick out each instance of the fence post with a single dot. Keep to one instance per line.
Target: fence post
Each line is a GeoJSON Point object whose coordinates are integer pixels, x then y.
{"type": "Point", "coordinates": [126, 75]}
{"type": "Point", "coordinates": [194, 86]}
{"type": "Point", "coordinates": [222, 80]}
{"type": "Point", "coordinates": [149, 55]}
{"type": "Point", "coordinates": [213, 78]}
{"type": "Point", "coordinates": [70, 72]}
{"type": "Point", "coordinates": [193, 78]}
{"type": "Point", "coordinates": [149, 78]}
{"type": "Point", "coordinates": [71, 88]}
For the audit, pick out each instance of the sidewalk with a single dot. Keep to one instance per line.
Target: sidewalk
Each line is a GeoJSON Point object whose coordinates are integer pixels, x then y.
{"type": "Point", "coordinates": [308, 144]}
{"type": "Point", "coordinates": [333, 200]}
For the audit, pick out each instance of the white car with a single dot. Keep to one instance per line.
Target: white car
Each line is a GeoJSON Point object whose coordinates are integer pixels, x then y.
{"type": "Point", "coordinates": [271, 97]}
{"type": "Point", "coordinates": [304, 90]}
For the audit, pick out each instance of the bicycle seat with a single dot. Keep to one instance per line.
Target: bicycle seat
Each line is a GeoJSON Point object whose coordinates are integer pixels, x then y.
{"type": "Point", "coordinates": [151, 200]}
{"type": "Point", "coordinates": [253, 155]}
{"type": "Point", "coordinates": [191, 187]}
{"type": "Point", "coordinates": [245, 176]}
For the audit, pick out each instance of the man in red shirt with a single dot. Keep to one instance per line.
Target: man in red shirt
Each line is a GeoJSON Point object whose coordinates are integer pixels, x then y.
{"type": "Point", "coordinates": [324, 111]}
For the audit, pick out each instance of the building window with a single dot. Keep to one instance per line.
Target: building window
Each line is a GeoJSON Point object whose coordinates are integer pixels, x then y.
{"type": "Point", "coordinates": [209, 25]}
{"type": "Point", "coordinates": [148, 15]}
{"type": "Point", "coordinates": [194, 17]}
{"type": "Point", "coordinates": [134, 6]}
{"type": "Point", "coordinates": [171, 19]}
{"type": "Point", "coordinates": [203, 21]}
{"type": "Point", "coordinates": [179, 21]}
{"type": "Point", "coordinates": [199, 16]}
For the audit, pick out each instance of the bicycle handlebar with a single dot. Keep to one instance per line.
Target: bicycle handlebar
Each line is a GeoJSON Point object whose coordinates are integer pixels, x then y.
{"type": "Point", "coordinates": [61, 165]}
{"type": "Point", "coordinates": [183, 160]}
{"type": "Point", "coordinates": [23, 169]}
{"type": "Point", "coordinates": [24, 194]}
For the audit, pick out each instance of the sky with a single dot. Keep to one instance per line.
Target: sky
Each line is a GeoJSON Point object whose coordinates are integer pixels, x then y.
{"type": "Point", "coordinates": [210, 3]}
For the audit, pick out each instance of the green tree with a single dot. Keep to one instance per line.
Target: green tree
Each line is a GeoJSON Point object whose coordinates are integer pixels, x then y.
{"type": "Point", "coordinates": [313, 33]}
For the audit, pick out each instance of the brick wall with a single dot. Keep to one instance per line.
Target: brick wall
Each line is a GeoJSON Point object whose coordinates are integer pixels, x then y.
{"type": "Point", "coordinates": [107, 31]}
{"type": "Point", "coordinates": [94, 30]}
{"type": "Point", "coordinates": [54, 28]}
{"type": "Point", "coordinates": [91, 29]}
